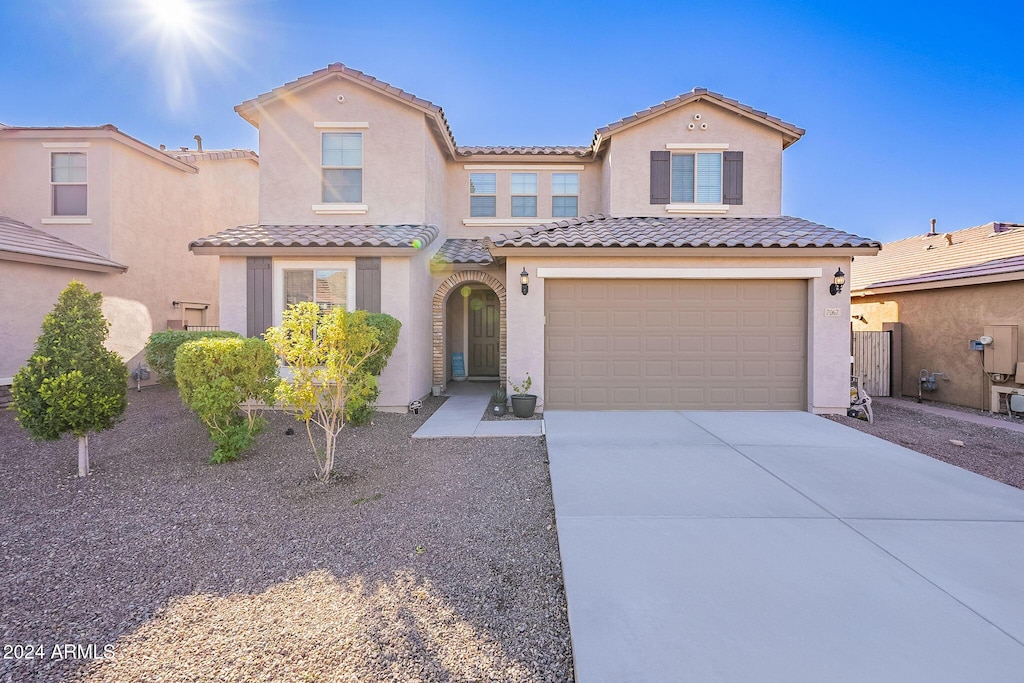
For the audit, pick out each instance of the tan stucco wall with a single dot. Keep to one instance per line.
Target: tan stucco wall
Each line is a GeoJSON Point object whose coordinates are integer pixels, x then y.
{"type": "Point", "coordinates": [630, 192]}
{"type": "Point", "coordinates": [393, 156]}
{"type": "Point", "coordinates": [144, 214]}
{"type": "Point", "coordinates": [828, 348]}
{"type": "Point", "coordinates": [938, 325]}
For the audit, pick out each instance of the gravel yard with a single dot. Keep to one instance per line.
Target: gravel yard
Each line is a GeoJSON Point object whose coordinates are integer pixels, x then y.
{"type": "Point", "coordinates": [428, 561]}
{"type": "Point", "coordinates": [989, 451]}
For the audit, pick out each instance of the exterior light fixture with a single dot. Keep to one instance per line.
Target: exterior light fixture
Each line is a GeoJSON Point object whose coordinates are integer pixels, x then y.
{"type": "Point", "coordinates": [524, 280]}
{"type": "Point", "coordinates": [838, 280]}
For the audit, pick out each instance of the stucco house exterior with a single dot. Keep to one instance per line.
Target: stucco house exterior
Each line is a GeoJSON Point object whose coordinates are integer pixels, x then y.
{"type": "Point", "coordinates": [659, 270]}
{"type": "Point", "coordinates": [97, 205]}
{"type": "Point", "coordinates": [945, 290]}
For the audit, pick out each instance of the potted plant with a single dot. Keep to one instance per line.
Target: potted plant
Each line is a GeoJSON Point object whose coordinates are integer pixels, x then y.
{"type": "Point", "coordinates": [499, 399]}
{"type": "Point", "coordinates": [523, 402]}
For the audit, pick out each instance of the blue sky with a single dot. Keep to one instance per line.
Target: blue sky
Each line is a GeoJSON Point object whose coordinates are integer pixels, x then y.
{"type": "Point", "coordinates": [912, 110]}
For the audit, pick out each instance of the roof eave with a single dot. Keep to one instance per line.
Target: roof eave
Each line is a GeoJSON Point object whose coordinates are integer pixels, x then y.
{"type": "Point", "coordinates": [245, 250]}
{"type": "Point", "coordinates": [20, 257]}
{"type": "Point", "coordinates": [743, 252]}
{"type": "Point", "coordinates": [939, 284]}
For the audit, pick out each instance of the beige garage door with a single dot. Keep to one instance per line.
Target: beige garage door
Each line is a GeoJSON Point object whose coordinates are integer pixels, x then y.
{"type": "Point", "coordinates": [679, 344]}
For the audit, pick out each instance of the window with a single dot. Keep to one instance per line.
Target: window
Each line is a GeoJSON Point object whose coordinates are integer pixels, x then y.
{"type": "Point", "coordinates": [524, 195]}
{"type": "Point", "coordinates": [697, 178]}
{"type": "Point", "coordinates": [482, 190]}
{"type": "Point", "coordinates": [327, 288]}
{"type": "Point", "coordinates": [68, 180]}
{"type": "Point", "coordinates": [565, 195]}
{"type": "Point", "coordinates": [342, 162]}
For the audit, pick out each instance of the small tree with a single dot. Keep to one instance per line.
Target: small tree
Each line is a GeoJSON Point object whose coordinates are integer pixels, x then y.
{"type": "Point", "coordinates": [226, 383]}
{"type": "Point", "coordinates": [326, 355]}
{"type": "Point", "coordinates": [72, 383]}
{"type": "Point", "coordinates": [362, 398]}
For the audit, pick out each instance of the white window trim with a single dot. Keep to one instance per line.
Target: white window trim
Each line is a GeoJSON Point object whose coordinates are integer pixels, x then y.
{"type": "Point", "coordinates": [340, 124]}
{"type": "Point", "coordinates": [342, 208]}
{"type": "Point", "coordinates": [525, 168]}
{"type": "Point", "coordinates": [700, 146]}
{"type": "Point", "coordinates": [280, 266]}
{"type": "Point", "coordinates": [66, 220]}
{"type": "Point", "coordinates": [697, 208]}
{"type": "Point", "coordinates": [60, 219]}
{"type": "Point", "coordinates": [517, 222]}
{"type": "Point", "coordinates": [339, 209]}
{"type": "Point", "coordinates": [58, 146]}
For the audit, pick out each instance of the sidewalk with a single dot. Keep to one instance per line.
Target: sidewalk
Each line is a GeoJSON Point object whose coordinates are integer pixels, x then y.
{"type": "Point", "coordinates": [460, 416]}
{"type": "Point", "coordinates": [951, 413]}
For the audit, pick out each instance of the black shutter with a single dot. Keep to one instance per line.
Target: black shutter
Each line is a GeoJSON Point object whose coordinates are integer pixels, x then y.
{"type": "Point", "coordinates": [368, 283]}
{"type": "Point", "coordinates": [661, 171]}
{"type": "Point", "coordinates": [259, 295]}
{"type": "Point", "coordinates": [732, 177]}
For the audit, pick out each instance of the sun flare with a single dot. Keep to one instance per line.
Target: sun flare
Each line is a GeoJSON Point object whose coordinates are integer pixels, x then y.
{"type": "Point", "coordinates": [172, 15]}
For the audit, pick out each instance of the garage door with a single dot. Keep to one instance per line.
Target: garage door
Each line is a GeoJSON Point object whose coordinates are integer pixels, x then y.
{"type": "Point", "coordinates": [675, 344]}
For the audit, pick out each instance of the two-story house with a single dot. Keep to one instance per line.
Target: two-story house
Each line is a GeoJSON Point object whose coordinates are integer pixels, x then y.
{"type": "Point", "coordinates": [650, 269]}
{"type": "Point", "coordinates": [97, 205]}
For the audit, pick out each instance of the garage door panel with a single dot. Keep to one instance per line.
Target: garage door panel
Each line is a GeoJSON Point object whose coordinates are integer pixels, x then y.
{"type": "Point", "coordinates": [676, 344]}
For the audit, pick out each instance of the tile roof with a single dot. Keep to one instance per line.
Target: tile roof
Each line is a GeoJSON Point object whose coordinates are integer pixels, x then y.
{"type": "Point", "coordinates": [463, 251]}
{"type": "Point", "coordinates": [692, 96]}
{"type": "Point", "coordinates": [20, 240]}
{"type": "Point", "coordinates": [573, 150]}
{"type": "Point", "coordinates": [683, 231]}
{"type": "Point", "coordinates": [340, 69]}
{"type": "Point", "coordinates": [410, 236]}
{"type": "Point", "coordinates": [973, 252]}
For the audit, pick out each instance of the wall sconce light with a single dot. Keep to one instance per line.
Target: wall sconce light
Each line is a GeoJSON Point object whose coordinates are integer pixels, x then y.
{"type": "Point", "coordinates": [838, 280]}
{"type": "Point", "coordinates": [524, 280]}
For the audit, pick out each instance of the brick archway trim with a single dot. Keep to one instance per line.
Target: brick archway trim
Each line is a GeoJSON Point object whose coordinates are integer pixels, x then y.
{"type": "Point", "coordinates": [437, 320]}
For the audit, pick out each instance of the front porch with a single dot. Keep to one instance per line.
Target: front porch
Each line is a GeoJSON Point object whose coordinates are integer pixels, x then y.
{"type": "Point", "coordinates": [469, 318]}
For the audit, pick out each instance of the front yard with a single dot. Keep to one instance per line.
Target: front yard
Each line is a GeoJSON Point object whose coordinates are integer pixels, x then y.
{"type": "Point", "coordinates": [432, 560]}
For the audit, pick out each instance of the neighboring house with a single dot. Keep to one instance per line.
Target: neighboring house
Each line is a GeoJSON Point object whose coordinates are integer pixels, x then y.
{"type": "Point", "coordinates": [99, 206]}
{"type": "Point", "coordinates": [947, 290]}
{"type": "Point", "coordinates": [661, 273]}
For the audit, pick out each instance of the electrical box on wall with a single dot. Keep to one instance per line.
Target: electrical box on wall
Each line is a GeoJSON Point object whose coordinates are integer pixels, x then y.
{"type": "Point", "coordinates": [1001, 355]}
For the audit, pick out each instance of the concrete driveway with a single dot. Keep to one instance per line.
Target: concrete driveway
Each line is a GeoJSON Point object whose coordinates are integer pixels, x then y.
{"type": "Point", "coordinates": [730, 546]}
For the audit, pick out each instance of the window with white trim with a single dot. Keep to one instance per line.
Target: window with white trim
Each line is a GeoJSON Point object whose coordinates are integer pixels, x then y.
{"type": "Point", "coordinates": [328, 288]}
{"type": "Point", "coordinates": [565, 195]}
{"type": "Point", "coordinates": [342, 167]}
{"type": "Point", "coordinates": [697, 178]}
{"type": "Point", "coordinates": [483, 189]}
{"type": "Point", "coordinates": [524, 195]}
{"type": "Point", "coordinates": [68, 183]}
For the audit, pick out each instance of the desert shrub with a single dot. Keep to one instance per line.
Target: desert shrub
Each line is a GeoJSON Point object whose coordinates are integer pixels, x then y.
{"type": "Point", "coordinates": [162, 346]}
{"type": "Point", "coordinates": [72, 383]}
{"type": "Point", "coordinates": [221, 381]}
{"type": "Point", "coordinates": [363, 394]}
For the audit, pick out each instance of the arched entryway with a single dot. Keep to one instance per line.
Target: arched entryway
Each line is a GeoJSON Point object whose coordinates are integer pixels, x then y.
{"type": "Point", "coordinates": [439, 322]}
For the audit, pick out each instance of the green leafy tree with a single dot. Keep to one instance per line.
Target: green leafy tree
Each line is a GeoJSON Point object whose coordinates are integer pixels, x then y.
{"type": "Point", "coordinates": [227, 382]}
{"type": "Point", "coordinates": [327, 355]}
{"type": "Point", "coordinates": [363, 395]}
{"type": "Point", "coordinates": [72, 383]}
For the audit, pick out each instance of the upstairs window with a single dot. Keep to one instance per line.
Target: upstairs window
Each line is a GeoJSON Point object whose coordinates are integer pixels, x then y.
{"type": "Point", "coordinates": [697, 178]}
{"type": "Point", "coordinates": [565, 195]}
{"type": "Point", "coordinates": [68, 182]}
{"type": "Point", "coordinates": [524, 195]}
{"type": "Point", "coordinates": [342, 167]}
{"type": "Point", "coordinates": [483, 188]}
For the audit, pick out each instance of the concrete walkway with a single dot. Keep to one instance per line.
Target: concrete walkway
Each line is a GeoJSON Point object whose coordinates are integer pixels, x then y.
{"type": "Point", "coordinates": [461, 414]}
{"type": "Point", "coordinates": [779, 547]}
{"type": "Point", "coordinates": [951, 413]}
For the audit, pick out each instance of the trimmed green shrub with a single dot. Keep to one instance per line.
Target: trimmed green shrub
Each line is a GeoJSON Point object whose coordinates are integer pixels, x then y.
{"type": "Point", "coordinates": [162, 346]}
{"type": "Point", "coordinates": [219, 380]}
{"type": "Point", "coordinates": [363, 393]}
{"type": "Point", "coordinates": [72, 383]}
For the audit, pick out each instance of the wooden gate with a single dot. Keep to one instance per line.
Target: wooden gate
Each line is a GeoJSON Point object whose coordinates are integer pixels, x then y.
{"type": "Point", "coordinates": [872, 358]}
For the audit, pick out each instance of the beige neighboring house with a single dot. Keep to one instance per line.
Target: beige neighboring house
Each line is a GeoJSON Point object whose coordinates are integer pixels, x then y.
{"type": "Point", "coordinates": [945, 290]}
{"type": "Point", "coordinates": [99, 206]}
{"type": "Point", "coordinates": [660, 271]}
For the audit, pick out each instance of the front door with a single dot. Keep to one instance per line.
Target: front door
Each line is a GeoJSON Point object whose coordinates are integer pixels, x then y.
{"type": "Point", "coordinates": [484, 323]}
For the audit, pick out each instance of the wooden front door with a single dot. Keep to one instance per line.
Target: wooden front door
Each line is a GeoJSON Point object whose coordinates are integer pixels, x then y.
{"type": "Point", "coordinates": [484, 328]}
